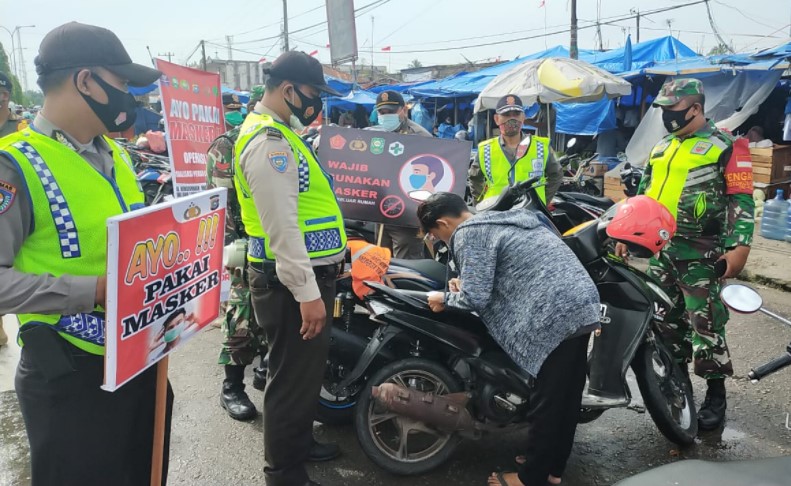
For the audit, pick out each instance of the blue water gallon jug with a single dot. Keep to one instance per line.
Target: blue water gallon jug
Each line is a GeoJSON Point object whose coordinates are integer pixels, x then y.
{"type": "Point", "coordinates": [788, 224]}
{"type": "Point", "coordinates": [775, 219]}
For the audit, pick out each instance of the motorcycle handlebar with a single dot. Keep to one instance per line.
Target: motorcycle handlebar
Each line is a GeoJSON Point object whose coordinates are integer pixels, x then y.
{"type": "Point", "coordinates": [770, 367]}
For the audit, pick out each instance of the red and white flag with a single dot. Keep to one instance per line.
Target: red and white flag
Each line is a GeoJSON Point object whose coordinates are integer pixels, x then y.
{"type": "Point", "coordinates": [542, 3]}
{"type": "Point", "coordinates": [387, 49]}
{"type": "Point", "coordinates": [262, 60]}
{"type": "Point", "coordinates": [314, 52]}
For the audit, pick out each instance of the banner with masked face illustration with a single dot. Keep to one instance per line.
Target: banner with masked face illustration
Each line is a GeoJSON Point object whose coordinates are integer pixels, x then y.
{"type": "Point", "coordinates": [383, 176]}
{"type": "Point", "coordinates": [192, 106]}
{"type": "Point", "coordinates": [164, 279]}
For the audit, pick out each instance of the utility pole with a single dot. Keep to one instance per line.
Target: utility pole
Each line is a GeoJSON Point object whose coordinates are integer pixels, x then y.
{"type": "Point", "coordinates": [636, 13]}
{"type": "Point", "coordinates": [372, 47]}
{"type": "Point", "coordinates": [169, 55]}
{"type": "Point", "coordinates": [285, 26]}
{"type": "Point", "coordinates": [13, 52]}
{"type": "Point", "coordinates": [203, 54]}
{"type": "Point", "coordinates": [573, 51]}
{"type": "Point", "coordinates": [22, 68]}
{"type": "Point", "coordinates": [229, 40]}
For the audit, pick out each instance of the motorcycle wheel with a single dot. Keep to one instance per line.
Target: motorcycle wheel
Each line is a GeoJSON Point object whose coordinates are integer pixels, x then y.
{"type": "Point", "coordinates": [397, 444]}
{"type": "Point", "coordinates": [667, 393]}
{"type": "Point", "coordinates": [335, 410]}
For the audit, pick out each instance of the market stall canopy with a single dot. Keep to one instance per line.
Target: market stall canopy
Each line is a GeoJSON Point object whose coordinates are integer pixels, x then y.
{"type": "Point", "coordinates": [553, 80]}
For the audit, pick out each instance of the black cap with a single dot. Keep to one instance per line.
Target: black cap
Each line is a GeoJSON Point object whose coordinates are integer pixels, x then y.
{"type": "Point", "coordinates": [76, 45]}
{"type": "Point", "coordinates": [299, 68]}
{"type": "Point", "coordinates": [389, 98]}
{"type": "Point", "coordinates": [231, 101]}
{"type": "Point", "coordinates": [5, 83]}
{"type": "Point", "coordinates": [509, 103]}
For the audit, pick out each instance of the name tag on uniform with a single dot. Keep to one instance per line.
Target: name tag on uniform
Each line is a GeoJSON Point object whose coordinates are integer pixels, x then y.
{"type": "Point", "coordinates": [538, 168]}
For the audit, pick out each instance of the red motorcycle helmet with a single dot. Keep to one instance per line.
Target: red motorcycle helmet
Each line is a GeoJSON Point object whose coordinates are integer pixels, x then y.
{"type": "Point", "coordinates": [643, 224]}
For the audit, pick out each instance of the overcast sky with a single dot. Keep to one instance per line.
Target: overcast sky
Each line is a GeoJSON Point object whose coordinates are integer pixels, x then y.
{"type": "Point", "coordinates": [177, 26]}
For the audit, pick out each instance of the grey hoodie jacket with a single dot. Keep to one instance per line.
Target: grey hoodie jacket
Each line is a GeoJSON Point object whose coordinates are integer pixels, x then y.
{"type": "Point", "coordinates": [528, 287]}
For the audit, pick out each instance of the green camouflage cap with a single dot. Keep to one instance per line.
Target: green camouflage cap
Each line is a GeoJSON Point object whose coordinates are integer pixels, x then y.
{"type": "Point", "coordinates": [675, 90]}
{"type": "Point", "coordinates": [257, 92]}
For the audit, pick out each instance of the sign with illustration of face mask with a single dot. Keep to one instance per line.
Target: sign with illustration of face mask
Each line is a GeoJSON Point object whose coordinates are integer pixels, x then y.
{"type": "Point", "coordinates": [164, 280]}
{"type": "Point", "coordinates": [382, 177]}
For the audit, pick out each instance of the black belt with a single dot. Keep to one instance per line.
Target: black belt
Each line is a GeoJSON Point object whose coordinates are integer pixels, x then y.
{"type": "Point", "coordinates": [332, 270]}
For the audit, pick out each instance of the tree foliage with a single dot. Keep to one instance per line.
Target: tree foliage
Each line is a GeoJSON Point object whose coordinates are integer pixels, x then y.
{"type": "Point", "coordinates": [415, 64]}
{"type": "Point", "coordinates": [16, 93]}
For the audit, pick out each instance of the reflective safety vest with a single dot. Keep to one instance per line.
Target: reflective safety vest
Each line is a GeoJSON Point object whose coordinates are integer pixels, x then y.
{"type": "Point", "coordinates": [369, 264]}
{"type": "Point", "coordinates": [318, 214]}
{"type": "Point", "coordinates": [71, 203]}
{"type": "Point", "coordinates": [679, 171]}
{"type": "Point", "coordinates": [499, 172]}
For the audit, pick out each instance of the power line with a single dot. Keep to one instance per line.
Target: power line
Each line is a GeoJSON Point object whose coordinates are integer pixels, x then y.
{"type": "Point", "coordinates": [621, 19]}
{"type": "Point", "coordinates": [685, 31]}
{"type": "Point", "coordinates": [291, 17]}
{"type": "Point", "coordinates": [242, 50]}
{"type": "Point", "coordinates": [744, 14]}
{"type": "Point", "coordinates": [358, 12]}
{"type": "Point", "coordinates": [714, 28]}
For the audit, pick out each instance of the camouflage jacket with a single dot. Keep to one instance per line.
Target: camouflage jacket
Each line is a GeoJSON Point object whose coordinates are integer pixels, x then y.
{"type": "Point", "coordinates": [219, 173]}
{"type": "Point", "coordinates": [714, 213]}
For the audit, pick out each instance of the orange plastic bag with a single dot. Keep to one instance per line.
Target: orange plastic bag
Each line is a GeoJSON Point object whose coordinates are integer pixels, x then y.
{"type": "Point", "coordinates": [369, 263]}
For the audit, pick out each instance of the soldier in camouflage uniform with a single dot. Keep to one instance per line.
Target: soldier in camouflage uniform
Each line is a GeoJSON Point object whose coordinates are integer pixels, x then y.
{"type": "Point", "coordinates": [694, 173]}
{"type": "Point", "coordinates": [244, 339]}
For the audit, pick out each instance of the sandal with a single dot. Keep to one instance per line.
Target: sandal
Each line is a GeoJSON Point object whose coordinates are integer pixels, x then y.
{"type": "Point", "coordinates": [500, 477]}
{"type": "Point", "coordinates": [554, 481]}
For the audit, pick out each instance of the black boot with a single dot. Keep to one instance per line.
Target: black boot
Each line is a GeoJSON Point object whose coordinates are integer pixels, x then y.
{"type": "Point", "coordinates": [323, 452]}
{"type": "Point", "coordinates": [259, 374]}
{"type": "Point", "coordinates": [233, 398]}
{"type": "Point", "coordinates": [712, 412]}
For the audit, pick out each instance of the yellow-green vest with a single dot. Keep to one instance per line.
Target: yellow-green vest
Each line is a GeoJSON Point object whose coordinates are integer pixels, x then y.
{"type": "Point", "coordinates": [71, 203]}
{"type": "Point", "coordinates": [678, 166]}
{"type": "Point", "coordinates": [499, 172]}
{"type": "Point", "coordinates": [318, 214]}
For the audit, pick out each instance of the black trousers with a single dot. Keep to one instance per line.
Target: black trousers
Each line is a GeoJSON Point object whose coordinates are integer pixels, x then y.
{"type": "Point", "coordinates": [554, 411]}
{"type": "Point", "coordinates": [296, 371]}
{"type": "Point", "coordinates": [83, 436]}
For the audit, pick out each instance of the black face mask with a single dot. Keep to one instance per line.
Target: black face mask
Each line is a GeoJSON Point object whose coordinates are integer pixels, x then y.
{"type": "Point", "coordinates": [311, 108]}
{"type": "Point", "coordinates": [120, 111]}
{"type": "Point", "coordinates": [676, 120]}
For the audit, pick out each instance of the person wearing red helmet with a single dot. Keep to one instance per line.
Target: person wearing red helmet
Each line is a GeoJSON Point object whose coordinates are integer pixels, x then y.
{"type": "Point", "coordinates": [704, 177]}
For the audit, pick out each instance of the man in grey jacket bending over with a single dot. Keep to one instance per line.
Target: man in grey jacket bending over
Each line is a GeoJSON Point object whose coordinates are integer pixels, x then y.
{"type": "Point", "coordinates": [537, 302]}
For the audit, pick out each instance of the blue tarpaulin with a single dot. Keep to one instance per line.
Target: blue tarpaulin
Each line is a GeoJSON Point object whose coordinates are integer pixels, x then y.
{"type": "Point", "coordinates": [140, 91]}
{"type": "Point", "coordinates": [585, 118]}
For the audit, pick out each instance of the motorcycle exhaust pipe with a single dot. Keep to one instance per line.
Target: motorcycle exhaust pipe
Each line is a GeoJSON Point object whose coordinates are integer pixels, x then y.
{"type": "Point", "coordinates": [445, 412]}
{"type": "Point", "coordinates": [348, 347]}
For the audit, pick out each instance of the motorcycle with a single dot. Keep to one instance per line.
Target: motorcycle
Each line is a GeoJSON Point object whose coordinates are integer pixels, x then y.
{"type": "Point", "coordinates": [153, 173]}
{"type": "Point", "coordinates": [630, 178]}
{"type": "Point", "coordinates": [450, 380]}
{"type": "Point", "coordinates": [766, 472]}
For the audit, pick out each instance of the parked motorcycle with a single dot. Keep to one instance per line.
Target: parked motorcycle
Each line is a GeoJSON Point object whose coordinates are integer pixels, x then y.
{"type": "Point", "coordinates": [452, 381]}
{"type": "Point", "coordinates": [153, 172]}
{"type": "Point", "coordinates": [630, 178]}
{"type": "Point", "coordinates": [765, 472]}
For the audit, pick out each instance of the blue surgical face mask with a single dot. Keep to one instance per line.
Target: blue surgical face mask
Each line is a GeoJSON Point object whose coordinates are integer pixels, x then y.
{"type": "Point", "coordinates": [389, 122]}
{"type": "Point", "coordinates": [417, 180]}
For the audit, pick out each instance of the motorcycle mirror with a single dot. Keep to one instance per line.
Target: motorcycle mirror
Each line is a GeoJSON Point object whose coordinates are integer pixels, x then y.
{"type": "Point", "coordinates": [627, 166]}
{"type": "Point", "coordinates": [741, 298]}
{"type": "Point", "coordinates": [572, 142]}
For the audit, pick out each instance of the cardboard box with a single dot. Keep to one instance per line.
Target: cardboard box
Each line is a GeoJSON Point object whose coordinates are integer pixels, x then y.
{"type": "Point", "coordinates": [596, 169]}
{"type": "Point", "coordinates": [771, 165]}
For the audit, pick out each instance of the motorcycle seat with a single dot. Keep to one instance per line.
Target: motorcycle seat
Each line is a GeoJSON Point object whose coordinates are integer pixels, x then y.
{"type": "Point", "coordinates": [764, 472]}
{"type": "Point", "coordinates": [598, 201]}
{"type": "Point", "coordinates": [428, 268]}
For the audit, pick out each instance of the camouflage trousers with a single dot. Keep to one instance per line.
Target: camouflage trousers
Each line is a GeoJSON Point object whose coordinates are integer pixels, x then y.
{"type": "Point", "coordinates": [695, 329]}
{"type": "Point", "coordinates": [243, 337]}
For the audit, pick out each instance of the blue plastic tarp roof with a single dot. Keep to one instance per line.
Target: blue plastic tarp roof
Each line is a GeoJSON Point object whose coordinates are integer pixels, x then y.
{"type": "Point", "coordinates": [140, 91]}
{"type": "Point", "coordinates": [351, 100]}
{"type": "Point", "coordinates": [644, 54]}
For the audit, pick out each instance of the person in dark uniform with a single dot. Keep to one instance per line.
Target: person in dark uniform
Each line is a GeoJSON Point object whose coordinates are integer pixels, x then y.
{"type": "Point", "coordinates": [61, 179]}
{"type": "Point", "coordinates": [296, 247]}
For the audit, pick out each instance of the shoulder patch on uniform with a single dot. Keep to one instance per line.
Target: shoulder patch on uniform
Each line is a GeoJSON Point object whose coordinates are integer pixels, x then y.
{"type": "Point", "coordinates": [273, 133]}
{"type": "Point", "coordinates": [279, 161]}
{"type": "Point", "coordinates": [7, 196]}
{"type": "Point", "coordinates": [701, 148]}
{"type": "Point", "coordinates": [659, 149]}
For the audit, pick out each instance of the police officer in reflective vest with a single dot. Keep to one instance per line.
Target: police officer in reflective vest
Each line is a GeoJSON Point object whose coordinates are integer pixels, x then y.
{"type": "Point", "coordinates": [297, 243]}
{"type": "Point", "coordinates": [61, 179]}
{"type": "Point", "coordinates": [697, 173]}
{"type": "Point", "coordinates": [511, 158]}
